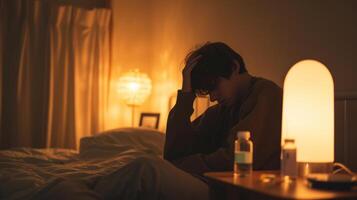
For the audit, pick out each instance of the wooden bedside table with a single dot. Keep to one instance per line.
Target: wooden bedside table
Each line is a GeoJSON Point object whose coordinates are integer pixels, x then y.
{"type": "Point", "coordinates": [252, 187]}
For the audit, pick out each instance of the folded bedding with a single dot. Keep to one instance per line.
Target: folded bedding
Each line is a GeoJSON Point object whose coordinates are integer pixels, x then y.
{"type": "Point", "coordinates": [28, 172]}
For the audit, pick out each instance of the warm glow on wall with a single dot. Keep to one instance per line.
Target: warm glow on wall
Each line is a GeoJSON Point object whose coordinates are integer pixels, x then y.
{"type": "Point", "coordinates": [308, 111]}
{"type": "Point", "coordinates": [134, 88]}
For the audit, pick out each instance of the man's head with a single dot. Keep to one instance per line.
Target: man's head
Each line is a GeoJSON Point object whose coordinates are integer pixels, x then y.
{"type": "Point", "coordinates": [216, 70]}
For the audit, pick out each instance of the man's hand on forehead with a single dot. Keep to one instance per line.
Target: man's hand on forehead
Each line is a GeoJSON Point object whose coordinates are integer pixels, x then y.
{"type": "Point", "coordinates": [186, 74]}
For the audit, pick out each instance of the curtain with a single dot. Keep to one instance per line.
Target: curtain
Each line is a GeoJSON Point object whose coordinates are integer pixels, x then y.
{"type": "Point", "coordinates": [55, 72]}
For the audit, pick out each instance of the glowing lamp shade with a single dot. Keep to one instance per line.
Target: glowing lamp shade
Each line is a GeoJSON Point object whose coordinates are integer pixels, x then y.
{"type": "Point", "coordinates": [134, 88]}
{"type": "Point", "coordinates": [308, 111]}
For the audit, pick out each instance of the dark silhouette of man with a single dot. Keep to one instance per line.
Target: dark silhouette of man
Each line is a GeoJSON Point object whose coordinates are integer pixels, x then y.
{"type": "Point", "coordinates": [245, 102]}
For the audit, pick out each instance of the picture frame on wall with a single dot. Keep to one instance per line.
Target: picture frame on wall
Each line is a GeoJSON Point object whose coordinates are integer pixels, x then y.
{"type": "Point", "coordinates": [149, 120]}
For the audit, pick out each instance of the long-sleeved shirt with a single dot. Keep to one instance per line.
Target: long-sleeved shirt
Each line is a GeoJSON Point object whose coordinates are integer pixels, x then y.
{"type": "Point", "coordinates": [207, 143]}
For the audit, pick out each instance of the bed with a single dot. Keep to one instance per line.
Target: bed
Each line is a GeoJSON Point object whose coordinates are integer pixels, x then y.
{"type": "Point", "coordinates": [27, 172]}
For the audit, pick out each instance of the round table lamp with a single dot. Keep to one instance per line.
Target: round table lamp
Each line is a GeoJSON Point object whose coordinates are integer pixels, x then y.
{"type": "Point", "coordinates": [134, 88]}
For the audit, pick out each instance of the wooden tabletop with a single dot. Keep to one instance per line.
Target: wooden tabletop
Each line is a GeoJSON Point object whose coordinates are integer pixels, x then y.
{"type": "Point", "coordinates": [277, 188]}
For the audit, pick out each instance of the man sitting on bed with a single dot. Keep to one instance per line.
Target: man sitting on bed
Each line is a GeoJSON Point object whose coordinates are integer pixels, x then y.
{"type": "Point", "coordinates": [245, 102]}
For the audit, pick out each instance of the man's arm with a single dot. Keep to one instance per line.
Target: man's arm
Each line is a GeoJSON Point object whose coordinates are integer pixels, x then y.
{"type": "Point", "coordinates": [264, 121]}
{"type": "Point", "coordinates": [184, 137]}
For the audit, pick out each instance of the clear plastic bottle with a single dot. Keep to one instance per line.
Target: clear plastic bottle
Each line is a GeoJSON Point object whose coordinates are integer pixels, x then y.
{"type": "Point", "coordinates": [288, 160]}
{"type": "Point", "coordinates": [243, 154]}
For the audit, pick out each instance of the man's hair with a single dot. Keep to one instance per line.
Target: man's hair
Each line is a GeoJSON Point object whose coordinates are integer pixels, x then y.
{"type": "Point", "coordinates": [217, 60]}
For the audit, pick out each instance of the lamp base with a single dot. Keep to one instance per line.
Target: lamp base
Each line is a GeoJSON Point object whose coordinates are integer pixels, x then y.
{"type": "Point", "coordinates": [305, 168]}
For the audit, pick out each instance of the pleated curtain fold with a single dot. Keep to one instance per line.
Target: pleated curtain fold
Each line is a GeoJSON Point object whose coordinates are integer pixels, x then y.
{"type": "Point", "coordinates": [55, 73]}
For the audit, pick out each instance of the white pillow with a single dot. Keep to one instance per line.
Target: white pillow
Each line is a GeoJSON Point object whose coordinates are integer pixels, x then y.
{"type": "Point", "coordinates": [115, 141]}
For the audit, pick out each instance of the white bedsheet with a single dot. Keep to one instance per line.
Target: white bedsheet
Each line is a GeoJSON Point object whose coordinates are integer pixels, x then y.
{"type": "Point", "coordinates": [25, 172]}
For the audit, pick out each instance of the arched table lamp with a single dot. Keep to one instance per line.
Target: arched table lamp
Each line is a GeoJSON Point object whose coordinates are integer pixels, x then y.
{"type": "Point", "coordinates": [308, 115]}
{"type": "Point", "coordinates": [134, 88]}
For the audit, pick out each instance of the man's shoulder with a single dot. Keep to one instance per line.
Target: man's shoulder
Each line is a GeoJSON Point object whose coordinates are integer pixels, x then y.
{"type": "Point", "coordinates": [266, 86]}
{"type": "Point", "coordinates": [264, 91]}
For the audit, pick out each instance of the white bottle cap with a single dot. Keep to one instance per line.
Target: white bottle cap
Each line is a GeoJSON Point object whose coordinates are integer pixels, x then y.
{"type": "Point", "coordinates": [243, 134]}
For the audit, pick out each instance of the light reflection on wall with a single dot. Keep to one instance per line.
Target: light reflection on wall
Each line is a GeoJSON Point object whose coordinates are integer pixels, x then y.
{"type": "Point", "coordinates": [145, 36]}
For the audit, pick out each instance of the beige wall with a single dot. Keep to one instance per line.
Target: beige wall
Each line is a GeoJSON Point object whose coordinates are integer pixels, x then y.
{"type": "Point", "coordinates": [154, 36]}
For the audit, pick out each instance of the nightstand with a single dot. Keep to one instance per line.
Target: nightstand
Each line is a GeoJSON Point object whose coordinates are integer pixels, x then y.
{"type": "Point", "coordinates": [254, 187]}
